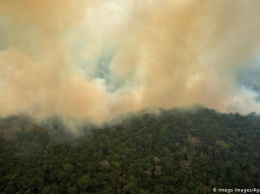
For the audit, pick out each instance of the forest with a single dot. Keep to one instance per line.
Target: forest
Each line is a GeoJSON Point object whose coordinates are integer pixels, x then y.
{"type": "Point", "coordinates": [157, 152]}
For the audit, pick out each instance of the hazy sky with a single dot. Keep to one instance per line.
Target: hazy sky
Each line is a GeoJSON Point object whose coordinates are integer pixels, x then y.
{"type": "Point", "coordinates": [99, 59]}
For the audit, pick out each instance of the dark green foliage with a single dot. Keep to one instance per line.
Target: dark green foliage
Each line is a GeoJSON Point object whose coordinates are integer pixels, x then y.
{"type": "Point", "coordinates": [175, 151]}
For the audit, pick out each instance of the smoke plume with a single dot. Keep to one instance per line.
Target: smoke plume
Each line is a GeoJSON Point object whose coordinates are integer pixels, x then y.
{"type": "Point", "coordinates": [96, 60]}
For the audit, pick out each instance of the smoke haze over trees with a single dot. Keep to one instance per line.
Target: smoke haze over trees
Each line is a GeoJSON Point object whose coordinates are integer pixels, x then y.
{"type": "Point", "coordinates": [88, 87]}
{"type": "Point", "coordinates": [95, 60]}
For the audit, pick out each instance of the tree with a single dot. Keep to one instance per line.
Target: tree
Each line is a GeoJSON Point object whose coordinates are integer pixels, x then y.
{"type": "Point", "coordinates": [84, 182]}
{"type": "Point", "coordinates": [72, 190]}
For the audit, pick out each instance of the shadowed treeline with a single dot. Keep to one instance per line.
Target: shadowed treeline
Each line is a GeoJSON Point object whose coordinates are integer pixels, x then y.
{"type": "Point", "coordinates": [176, 151]}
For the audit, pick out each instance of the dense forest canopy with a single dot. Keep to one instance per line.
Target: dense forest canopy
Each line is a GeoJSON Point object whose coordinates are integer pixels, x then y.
{"type": "Point", "coordinates": [173, 151]}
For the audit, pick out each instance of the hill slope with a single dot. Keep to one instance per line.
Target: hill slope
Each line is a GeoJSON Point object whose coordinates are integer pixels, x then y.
{"type": "Point", "coordinates": [171, 152]}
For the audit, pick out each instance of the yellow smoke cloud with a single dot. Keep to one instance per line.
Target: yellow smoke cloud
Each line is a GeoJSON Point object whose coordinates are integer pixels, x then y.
{"type": "Point", "coordinates": [166, 54]}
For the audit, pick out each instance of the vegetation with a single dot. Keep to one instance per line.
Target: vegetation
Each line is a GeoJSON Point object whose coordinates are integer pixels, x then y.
{"type": "Point", "coordinates": [175, 151]}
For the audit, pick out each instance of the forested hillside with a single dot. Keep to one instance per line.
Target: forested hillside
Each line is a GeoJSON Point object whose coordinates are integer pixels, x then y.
{"type": "Point", "coordinates": [175, 151]}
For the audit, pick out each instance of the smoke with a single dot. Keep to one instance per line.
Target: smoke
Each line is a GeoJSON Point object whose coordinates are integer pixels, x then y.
{"type": "Point", "coordinates": [96, 60]}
